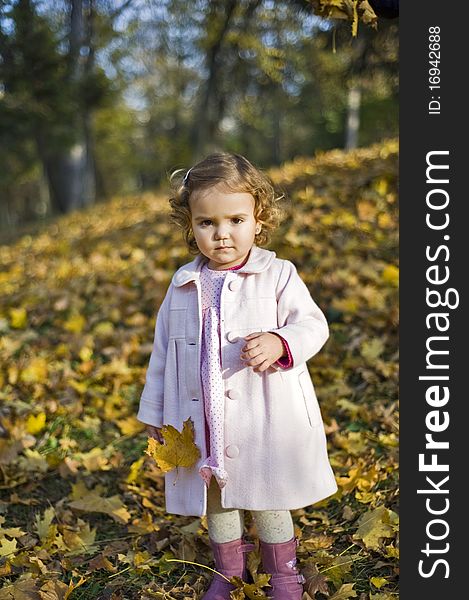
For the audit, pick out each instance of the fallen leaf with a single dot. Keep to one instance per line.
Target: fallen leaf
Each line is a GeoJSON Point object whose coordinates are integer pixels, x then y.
{"type": "Point", "coordinates": [18, 318]}
{"type": "Point", "coordinates": [178, 450]}
{"type": "Point", "coordinates": [36, 423]}
{"type": "Point", "coordinates": [250, 590]}
{"type": "Point", "coordinates": [378, 582]}
{"type": "Point", "coordinates": [112, 506]}
{"type": "Point", "coordinates": [25, 589]}
{"type": "Point", "coordinates": [315, 581]}
{"type": "Point", "coordinates": [371, 349]}
{"type": "Point", "coordinates": [346, 591]}
{"type": "Point", "coordinates": [7, 547]}
{"type": "Point", "coordinates": [101, 562]}
{"type": "Point", "coordinates": [35, 371]}
{"type": "Point", "coordinates": [54, 589]}
{"type": "Point", "coordinates": [374, 525]}
{"type": "Point", "coordinates": [42, 525]}
{"type": "Point", "coordinates": [390, 275]}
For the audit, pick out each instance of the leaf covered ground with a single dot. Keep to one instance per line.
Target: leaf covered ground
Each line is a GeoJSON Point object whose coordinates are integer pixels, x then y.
{"type": "Point", "coordinates": [82, 505]}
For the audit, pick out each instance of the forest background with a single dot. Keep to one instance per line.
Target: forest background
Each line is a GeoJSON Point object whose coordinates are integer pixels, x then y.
{"type": "Point", "coordinates": [99, 98]}
{"type": "Point", "coordinates": [99, 101]}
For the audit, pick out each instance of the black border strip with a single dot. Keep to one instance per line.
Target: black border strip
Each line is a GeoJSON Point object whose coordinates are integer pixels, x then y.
{"type": "Point", "coordinates": [429, 198]}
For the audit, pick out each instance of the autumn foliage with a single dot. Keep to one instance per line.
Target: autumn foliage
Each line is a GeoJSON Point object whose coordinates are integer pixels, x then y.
{"type": "Point", "coordinates": [353, 10]}
{"type": "Point", "coordinates": [82, 505]}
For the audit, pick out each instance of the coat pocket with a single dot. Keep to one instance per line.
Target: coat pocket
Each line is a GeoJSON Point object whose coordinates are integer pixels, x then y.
{"type": "Point", "coordinates": [310, 400]}
{"type": "Point", "coordinates": [177, 322]}
{"type": "Point", "coordinates": [181, 369]}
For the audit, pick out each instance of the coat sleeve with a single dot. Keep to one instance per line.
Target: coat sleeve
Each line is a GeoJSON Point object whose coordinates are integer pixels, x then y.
{"type": "Point", "coordinates": [284, 361]}
{"type": "Point", "coordinates": [301, 322]}
{"type": "Point", "coordinates": [151, 401]}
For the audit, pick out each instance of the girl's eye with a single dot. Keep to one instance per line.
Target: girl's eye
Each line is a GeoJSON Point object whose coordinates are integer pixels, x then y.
{"type": "Point", "coordinates": [206, 223]}
{"type": "Point", "coordinates": [237, 220]}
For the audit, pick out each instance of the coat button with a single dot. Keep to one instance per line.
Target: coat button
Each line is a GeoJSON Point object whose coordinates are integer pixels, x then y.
{"type": "Point", "coordinates": [233, 394]}
{"type": "Point", "coordinates": [234, 285]}
{"type": "Point", "coordinates": [232, 451]}
{"type": "Point", "coordinates": [232, 337]}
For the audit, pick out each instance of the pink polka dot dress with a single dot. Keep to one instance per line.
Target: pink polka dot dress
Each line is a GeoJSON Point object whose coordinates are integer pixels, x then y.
{"type": "Point", "coordinates": [211, 373]}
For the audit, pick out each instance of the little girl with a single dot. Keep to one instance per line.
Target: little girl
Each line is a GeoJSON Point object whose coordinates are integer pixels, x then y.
{"type": "Point", "coordinates": [232, 338]}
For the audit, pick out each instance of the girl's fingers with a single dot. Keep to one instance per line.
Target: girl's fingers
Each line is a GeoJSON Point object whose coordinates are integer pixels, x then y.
{"type": "Point", "coordinates": [251, 353]}
{"type": "Point", "coordinates": [257, 360]}
{"type": "Point", "coordinates": [253, 335]}
{"type": "Point", "coordinates": [155, 433]}
{"type": "Point", "coordinates": [263, 366]}
{"type": "Point", "coordinates": [250, 345]}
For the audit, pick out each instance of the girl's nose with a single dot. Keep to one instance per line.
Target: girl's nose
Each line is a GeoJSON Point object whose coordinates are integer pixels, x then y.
{"type": "Point", "coordinates": [221, 234]}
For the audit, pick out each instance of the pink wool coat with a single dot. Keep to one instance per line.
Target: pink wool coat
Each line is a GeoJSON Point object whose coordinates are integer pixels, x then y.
{"type": "Point", "coordinates": [275, 443]}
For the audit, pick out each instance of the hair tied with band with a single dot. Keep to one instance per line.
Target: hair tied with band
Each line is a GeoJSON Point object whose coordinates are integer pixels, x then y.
{"type": "Point", "coordinates": [186, 177]}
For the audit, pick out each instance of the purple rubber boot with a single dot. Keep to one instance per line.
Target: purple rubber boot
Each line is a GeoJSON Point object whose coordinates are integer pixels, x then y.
{"type": "Point", "coordinates": [279, 560]}
{"type": "Point", "coordinates": [230, 559]}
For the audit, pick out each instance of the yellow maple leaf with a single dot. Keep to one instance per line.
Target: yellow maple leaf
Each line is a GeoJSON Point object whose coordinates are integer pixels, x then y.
{"type": "Point", "coordinates": [36, 371]}
{"type": "Point", "coordinates": [364, 497]}
{"type": "Point", "coordinates": [103, 329]}
{"type": "Point", "coordinates": [78, 542]}
{"type": "Point", "coordinates": [36, 423]}
{"type": "Point", "coordinates": [15, 532]}
{"type": "Point", "coordinates": [129, 425]}
{"type": "Point", "coordinates": [250, 590]}
{"type": "Point", "coordinates": [94, 460]}
{"type": "Point", "coordinates": [385, 221]}
{"type": "Point", "coordinates": [378, 582]}
{"type": "Point", "coordinates": [134, 470]}
{"type": "Point", "coordinates": [85, 353]}
{"type": "Point", "coordinates": [75, 323]}
{"type": "Point", "coordinates": [381, 185]}
{"type": "Point", "coordinates": [80, 386]}
{"type": "Point", "coordinates": [376, 524]}
{"type": "Point", "coordinates": [113, 506]}
{"type": "Point", "coordinates": [43, 524]}
{"type": "Point", "coordinates": [371, 349]}
{"type": "Point", "coordinates": [7, 547]}
{"type": "Point", "coordinates": [392, 551]}
{"type": "Point", "coordinates": [18, 318]}
{"type": "Point", "coordinates": [390, 275]}
{"type": "Point", "coordinates": [179, 449]}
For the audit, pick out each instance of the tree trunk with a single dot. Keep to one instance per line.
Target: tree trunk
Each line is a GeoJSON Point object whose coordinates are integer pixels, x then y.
{"type": "Point", "coordinates": [64, 170]}
{"type": "Point", "coordinates": [353, 117]}
{"type": "Point", "coordinates": [204, 123]}
{"type": "Point", "coordinates": [70, 171]}
{"type": "Point", "coordinates": [89, 174]}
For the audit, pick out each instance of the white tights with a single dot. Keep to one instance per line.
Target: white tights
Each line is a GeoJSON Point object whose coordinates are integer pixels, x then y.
{"type": "Point", "coordinates": [227, 524]}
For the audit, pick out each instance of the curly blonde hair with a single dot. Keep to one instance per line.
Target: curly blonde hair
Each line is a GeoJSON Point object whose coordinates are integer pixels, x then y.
{"type": "Point", "coordinates": [238, 175]}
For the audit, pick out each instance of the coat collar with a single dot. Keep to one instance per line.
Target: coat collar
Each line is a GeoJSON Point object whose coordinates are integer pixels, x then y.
{"type": "Point", "coordinates": [259, 260]}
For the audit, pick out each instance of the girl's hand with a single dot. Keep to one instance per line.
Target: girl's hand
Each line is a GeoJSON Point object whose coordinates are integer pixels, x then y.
{"type": "Point", "coordinates": [155, 432]}
{"type": "Point", "coordinates": [262, 350]}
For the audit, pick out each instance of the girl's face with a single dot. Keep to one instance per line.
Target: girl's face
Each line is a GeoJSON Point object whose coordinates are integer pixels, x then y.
{"type": "Point", "coordinates": [224, 225]}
